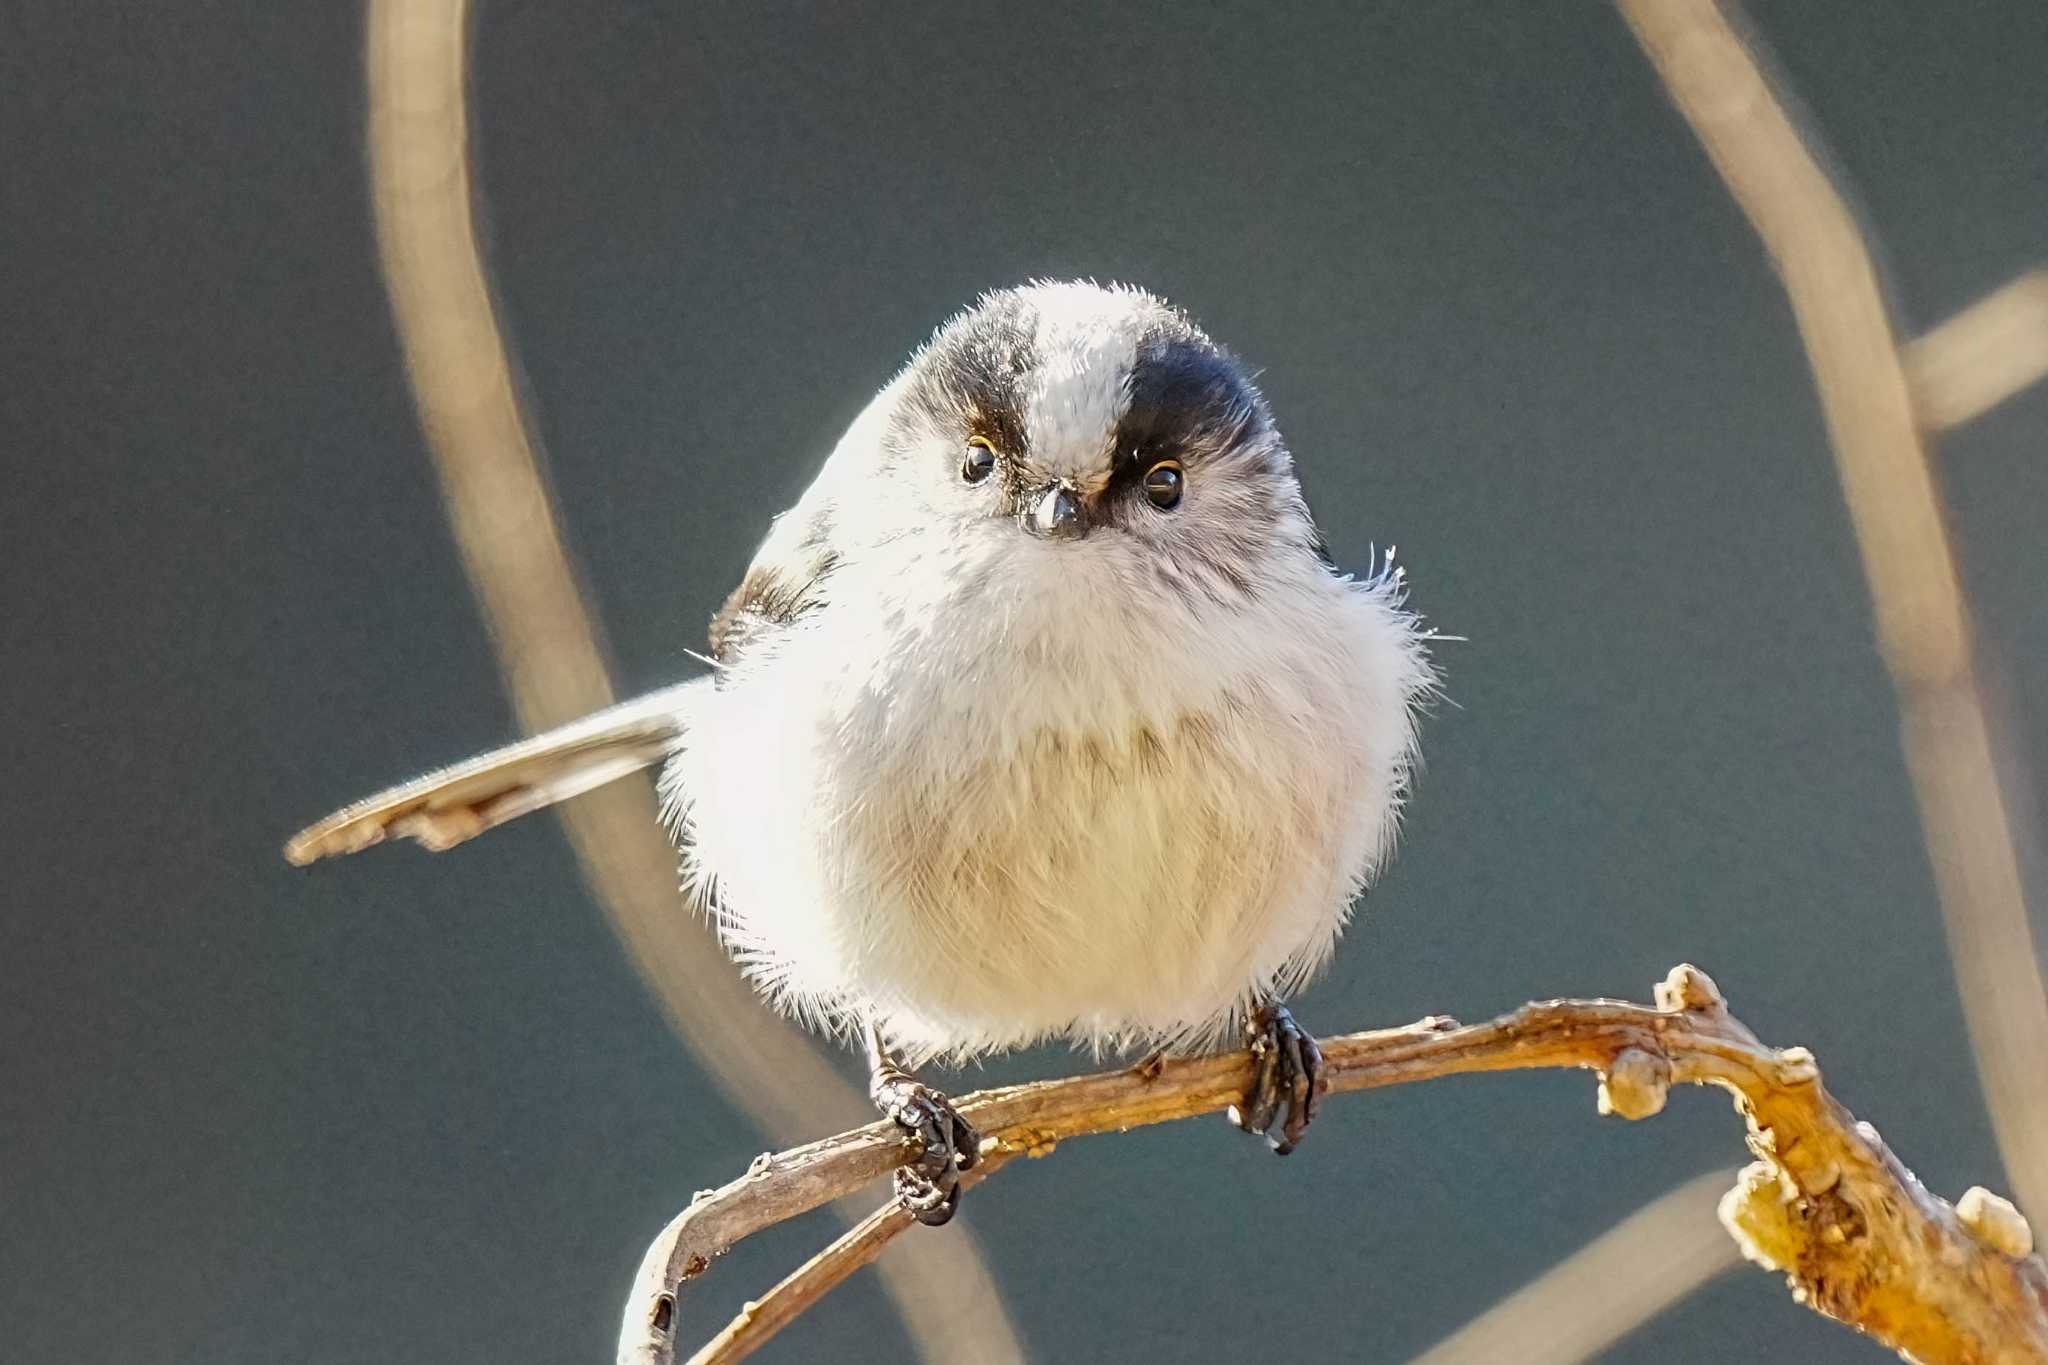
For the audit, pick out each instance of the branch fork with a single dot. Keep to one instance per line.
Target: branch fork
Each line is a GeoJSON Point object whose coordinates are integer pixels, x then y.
{"type": "Point", "coordinates": [1857, 1236]}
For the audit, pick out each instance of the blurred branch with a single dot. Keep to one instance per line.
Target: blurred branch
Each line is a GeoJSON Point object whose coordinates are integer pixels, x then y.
{"type": "Point", "coordinates": [1924, 631]}
{"type": "Point", "coordinates": [1972, 362]}
{"type": "Point", "coordinates": [505, 525]}
{"type": "Point", "coordinates": [1981, 356]}
{"type": "Point", "coordinates": [1860, 1239]}
{"type": "Point", "coordinates": [824, 1272]}
{"type": "Point", "coordinates": [1614, 1284]}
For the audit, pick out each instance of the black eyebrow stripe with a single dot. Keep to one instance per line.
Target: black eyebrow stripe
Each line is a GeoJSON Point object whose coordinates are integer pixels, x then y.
{"type": "Point", "coordinates": [1184, 392]}
{"type": "Point", "coordinates": [976, 366]}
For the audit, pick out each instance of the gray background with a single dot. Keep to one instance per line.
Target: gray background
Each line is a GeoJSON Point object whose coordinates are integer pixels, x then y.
{"type": "Point", "coordinates": [419, 1109]}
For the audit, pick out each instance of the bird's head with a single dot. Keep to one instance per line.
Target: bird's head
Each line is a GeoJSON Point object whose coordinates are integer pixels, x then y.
{"type": "Point", "coordinates": [1095, 424]}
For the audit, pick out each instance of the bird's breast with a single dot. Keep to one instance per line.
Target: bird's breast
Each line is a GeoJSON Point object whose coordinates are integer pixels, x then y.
{"type": "Point", "coordinates": [1130, 872]}
{"type": "Point", "coordinates": [987, 831]}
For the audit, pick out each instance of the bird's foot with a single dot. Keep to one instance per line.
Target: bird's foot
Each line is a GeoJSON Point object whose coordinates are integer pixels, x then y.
{"type": "Point", "coordinates": [929, 1188]}
{"type": "Point", "coordinates": [1287, 1077]}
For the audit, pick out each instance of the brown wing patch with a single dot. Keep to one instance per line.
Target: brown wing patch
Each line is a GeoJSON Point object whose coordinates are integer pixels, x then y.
{"type": "Point", "coordinates": [766, 600]}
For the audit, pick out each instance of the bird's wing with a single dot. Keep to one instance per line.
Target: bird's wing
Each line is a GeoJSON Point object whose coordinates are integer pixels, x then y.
{"type": "Point", "coordinates": [788, 578]}
{"type": "Point", "coordinates": [444, 808]}
{"type": "Point", "coordinates": [792, 573]}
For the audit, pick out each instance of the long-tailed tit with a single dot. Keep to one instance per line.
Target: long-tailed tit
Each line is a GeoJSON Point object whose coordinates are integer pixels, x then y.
{"type": "Point", "coordinates": [1042, 714]}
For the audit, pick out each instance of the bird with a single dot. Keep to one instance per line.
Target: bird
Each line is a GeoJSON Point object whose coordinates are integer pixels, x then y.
{"type": "Point", "coordinates": [1043, 714]}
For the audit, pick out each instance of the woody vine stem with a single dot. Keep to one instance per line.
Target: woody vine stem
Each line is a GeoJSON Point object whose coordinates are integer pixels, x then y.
{"type": "Point", "coordinates": [1856, 1234]}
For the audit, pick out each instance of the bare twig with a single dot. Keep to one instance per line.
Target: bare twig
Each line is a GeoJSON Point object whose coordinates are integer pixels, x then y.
{"type": "Point", "coordinates": [1981, 356]}
{"type": "Point", "coordinates": [817, 1277]}
{"type": "Point", "coordinates": [1614, 1284]}
{"type": "Point", "coordinates": [820, 1275]}
{"type": "Point", "coordinates": [505, 525]}
{"type": "Point", "coordinates": [1858, 1236]}
{"type": "Point", "coordinates": [1924, 630]}
{"type": "Point", "coordinates": [1964, 367]}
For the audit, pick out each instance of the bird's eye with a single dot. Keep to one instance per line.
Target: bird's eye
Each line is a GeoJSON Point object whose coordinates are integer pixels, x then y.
{"type": "Point", "coordinates": [979, 462]}
{"type": "Point", "coordinates": [1163, 484]}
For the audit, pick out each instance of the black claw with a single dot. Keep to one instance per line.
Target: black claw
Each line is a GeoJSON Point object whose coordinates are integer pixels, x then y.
{"type": "Point", "coordinates": [929, 1188]}
{"type": "Point", "coordinates": [1319, 1079]}
{"type": "Point", "coordinates": [1288, 1076]}
{"type": "Point", "coordinates": [928, 1201]}
{"type": "Point", "coordinates": [1297, 1093]}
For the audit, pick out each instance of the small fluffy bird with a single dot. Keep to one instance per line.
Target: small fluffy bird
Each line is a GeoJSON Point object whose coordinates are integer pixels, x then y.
{"type": "Point", "coordinates": [1043, 714]}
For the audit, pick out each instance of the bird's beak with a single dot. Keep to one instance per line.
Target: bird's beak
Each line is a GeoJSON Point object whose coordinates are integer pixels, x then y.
{"type": "Point", "coordinates": [1057, 513]}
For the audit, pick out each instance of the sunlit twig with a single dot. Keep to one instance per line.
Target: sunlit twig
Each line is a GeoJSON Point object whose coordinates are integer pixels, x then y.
{"type": "Point", "coordinates": [1981, 356]}
{"type": "Point", "coordinates": [1924, 630]}
{"type": "Point", "coordinates": [1975, 360]}
{"type": "Point", "coordinates": [1826, 1202]}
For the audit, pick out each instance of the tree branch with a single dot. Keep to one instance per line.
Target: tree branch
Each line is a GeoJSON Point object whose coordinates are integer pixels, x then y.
{"type": "Point", "coordinates": [1580, 1306]}
{"type": "Point", "coordinates": [1964, 768]}
{"type": "Point", "coordinates": [1981, 356]}
{"type": "Point", "coordinates": [819, 1276]}
{"type": "Point", "coordinates": [1860, 1239]}
{"type": "Point", "coordinates": [515, 552]}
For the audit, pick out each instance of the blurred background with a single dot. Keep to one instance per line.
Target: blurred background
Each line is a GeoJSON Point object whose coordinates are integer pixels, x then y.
{"type": "Point", "coordinates": [417, 1108]}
